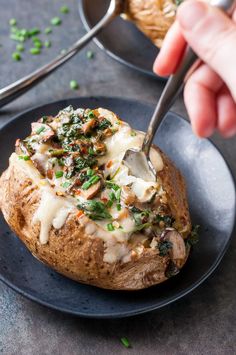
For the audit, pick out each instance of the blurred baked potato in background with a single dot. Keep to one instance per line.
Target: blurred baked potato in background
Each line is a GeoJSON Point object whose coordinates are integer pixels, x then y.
{"type": "Point", "coordinates": [152, 17]}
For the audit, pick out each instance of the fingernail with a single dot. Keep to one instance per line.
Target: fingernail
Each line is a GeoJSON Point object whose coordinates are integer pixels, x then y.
{"type": "Point", "coordinates": [203, 132]}
{"type": "Point", "coordinates": [190, 13]}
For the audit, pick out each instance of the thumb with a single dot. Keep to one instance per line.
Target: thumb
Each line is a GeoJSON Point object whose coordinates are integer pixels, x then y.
{"type": "Point", "coordinates": [212, 35]}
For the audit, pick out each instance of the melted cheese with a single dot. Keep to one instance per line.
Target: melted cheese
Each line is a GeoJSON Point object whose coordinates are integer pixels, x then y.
{"type": "Point", "coordinates": [52, 211]}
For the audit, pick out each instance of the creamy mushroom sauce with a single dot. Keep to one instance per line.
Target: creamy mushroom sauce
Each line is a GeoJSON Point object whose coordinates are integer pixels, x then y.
{"type": "Point", "coordinates": [78, 159]}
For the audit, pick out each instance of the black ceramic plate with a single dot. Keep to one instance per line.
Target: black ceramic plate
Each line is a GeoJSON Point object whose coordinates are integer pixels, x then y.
{"type": "Point", "coordinates": [211, 196]}
{"type": "Point", "coordinates": [121, 39]}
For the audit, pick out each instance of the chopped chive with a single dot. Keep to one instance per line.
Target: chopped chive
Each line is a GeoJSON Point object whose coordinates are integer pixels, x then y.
{"type": "Point", "coordinates": [125, 342]}
{"type": "Point", "coordinates": [74, 85]}
{"type": "Point", "coordinates": [47, 44]}
{"type": "Point", "coordinates": [56, 21]}
{"type": "Point", "coordinates": [36, 39]}
{"type": "Point", "coordinates": [90, 55]}
{"type": "Point", "coordinates": [109, 203]}
{"type": "Point", "coordinates": [90, 182]}
{"type": "Point", "coordinates": [38, 44]}
{"type": "Point", "coordinates": [118, 193]}
{"type": "Point", "coordinates": [35, 51]}
{"type": "Point", "coordinates": [110, 227]}
{"type": "Point", "coordinates": [90, 172]}
{"type": "Point", "coordinates": [91, 114]}
{"type": "Point", "coordinates": [24, 157]}
{"type": "Point", "coordinates": [59, 174]}
{"type": "Point", "coordinates": [66, 184]}
{"type": "Point", "coordinates": [48, 30]}
{"type": "Point", "coordinates": [17, 37]}
{"type": "Point", "coordinates": [91, 151]}
{"type": "Point", "coordinates": [20, 47]}
{"type": "Point", "coordinates": [34, 31]}
{"type": "Point", "coordinates": [118, 206]}
{"type": "Point", "coordinates": [16, 56]}
{"type": "Point", "coordinates": [40, 129]}
{"type": "Point", "coordinates": [64, 9]}
{"type": "Point", "coordinates": [112, 196]}
{"type": "Point", "coordinates": [12, 22]}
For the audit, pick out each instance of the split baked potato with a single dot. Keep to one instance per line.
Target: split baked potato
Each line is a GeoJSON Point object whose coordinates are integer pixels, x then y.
{"type": "Point", "coordinates": [74, 204]}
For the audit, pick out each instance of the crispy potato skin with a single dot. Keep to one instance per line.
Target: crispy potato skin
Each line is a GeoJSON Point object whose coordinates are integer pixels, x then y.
{"type": "Point", "coordinates": [79, 256]}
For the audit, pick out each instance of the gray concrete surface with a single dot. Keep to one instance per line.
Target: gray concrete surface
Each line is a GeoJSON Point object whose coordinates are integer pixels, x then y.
{"type": "Point", "coordinates": [204, 322]}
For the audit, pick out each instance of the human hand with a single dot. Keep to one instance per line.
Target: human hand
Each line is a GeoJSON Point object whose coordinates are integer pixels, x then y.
{"type": "Point", "coordinates": [210, 91]}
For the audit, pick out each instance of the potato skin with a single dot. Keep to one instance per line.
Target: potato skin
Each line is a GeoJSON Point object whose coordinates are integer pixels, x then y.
{"type": "Point", "coordinates": [152, 17]}
{"type": "Point", "coordinates": [79, 256]}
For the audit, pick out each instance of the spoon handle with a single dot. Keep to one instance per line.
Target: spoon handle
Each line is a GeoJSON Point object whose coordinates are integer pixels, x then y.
{"type": "Point", "coordinates": [175, 84]}
{"type": "Point", "coordinates": [19, 87]}
{"type": "Point", "coordinates": [172, 89]}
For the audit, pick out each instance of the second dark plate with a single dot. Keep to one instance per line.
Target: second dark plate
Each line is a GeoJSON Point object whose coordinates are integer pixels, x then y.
{"type": "Point", "coordinates": [212, 205]}
{"type": "Point", "coordinates": [121, 39]}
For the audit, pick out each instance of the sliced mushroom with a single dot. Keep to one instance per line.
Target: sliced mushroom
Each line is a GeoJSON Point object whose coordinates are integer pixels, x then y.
{"type": "Point", "coordinates": [171, 269]}
{"type": "Point", "coordinates": [40, 162]}
{"type": "Point", "coordinates": [21, 148]}
{"type": "Point", "coordinates": [92, 191]}
{"type": "Point", "coordinates": [127, 195]}
{"type": "Point", "coordinates": [178, 250]}
{"type": "Point", "coordinates": [46, 133]}
{"type": "Point", "coordinates": [88, 126]}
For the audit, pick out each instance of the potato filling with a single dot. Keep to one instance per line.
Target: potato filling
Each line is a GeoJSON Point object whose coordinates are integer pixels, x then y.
{"type": "Point", "coordinates": [79, 153]}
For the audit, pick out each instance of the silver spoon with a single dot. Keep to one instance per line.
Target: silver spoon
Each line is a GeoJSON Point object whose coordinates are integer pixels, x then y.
{"type": "Point", "coordinates": [138, 161]}
{"type": "Point", "coordinates": [19, 87]}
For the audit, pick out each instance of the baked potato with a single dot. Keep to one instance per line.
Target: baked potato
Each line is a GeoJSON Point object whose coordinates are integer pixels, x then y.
{"type": "Point", "coordinates": [152, 17]}
{"type": "Point", "coordinates": [74, 204]}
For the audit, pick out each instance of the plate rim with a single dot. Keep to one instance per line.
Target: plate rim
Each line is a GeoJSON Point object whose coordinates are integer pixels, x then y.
{"type": "Point", "coordinates": [110, 53]}
{"type": "Point", "coordinates": [146, 309]}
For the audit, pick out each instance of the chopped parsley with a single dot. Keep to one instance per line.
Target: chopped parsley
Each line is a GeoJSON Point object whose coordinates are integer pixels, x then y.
{"type": "Point", "coordinates": [140, 217]}
{"type": "Point", "coordinates": [142, 226]}
{"type": "Point", "coordinates": [168, 220]}
{"type": "Point", "coordinates": [193, 238]}
{"type": "Point", "coordinates": [104, 124]}
{"type": "Point", "coordinates": [96, 210]}
{"type": "Point", "coordinates": [164, 247]}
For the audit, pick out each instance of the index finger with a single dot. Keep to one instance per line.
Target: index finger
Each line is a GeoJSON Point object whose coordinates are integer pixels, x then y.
{"type": "Point", "coordinates": [171, 52]}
